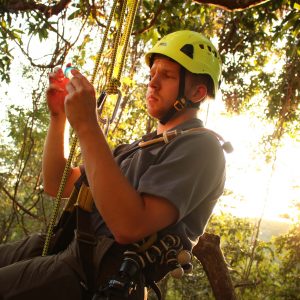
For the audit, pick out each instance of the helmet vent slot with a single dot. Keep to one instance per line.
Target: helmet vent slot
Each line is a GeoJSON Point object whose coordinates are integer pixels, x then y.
{"type": "Point", "coordinates": [201, 46]}
{"type": "Point", "coordinates": [188, 50]}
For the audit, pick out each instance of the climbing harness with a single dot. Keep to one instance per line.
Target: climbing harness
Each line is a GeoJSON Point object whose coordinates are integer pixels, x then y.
{"type": "Point", "coordinates": [163, 251]}
{"type": "Point", "coordinates": [149, 260]}
{"type": "Point", "coordinates": [119, 50]}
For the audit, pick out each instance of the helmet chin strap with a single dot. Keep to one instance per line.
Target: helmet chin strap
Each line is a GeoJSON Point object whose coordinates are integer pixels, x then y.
{"type": "Point", "coordinates": [181, 101]}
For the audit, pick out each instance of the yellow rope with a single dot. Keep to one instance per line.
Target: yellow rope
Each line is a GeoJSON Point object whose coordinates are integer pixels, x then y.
{"type": "Point", "coordinates": [120, 47]}
{"type": "Point", "coordinates": [127, 33]}
{"type": "Point", "coordinates": [104, 39]}
{"type": "Point", "coordinates": [114, 83]}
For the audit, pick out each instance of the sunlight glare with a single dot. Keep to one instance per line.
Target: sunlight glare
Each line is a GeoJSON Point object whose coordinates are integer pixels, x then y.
{"type": "Point", "coordinates": [257, 191]}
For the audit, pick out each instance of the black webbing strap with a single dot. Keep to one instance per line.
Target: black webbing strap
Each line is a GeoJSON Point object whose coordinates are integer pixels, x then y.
{"type": "Point", "coordinates": [180, 101]}
{"type": "Point", "coordinates": [86, 242]}
{"type": "Point", "coordinates": [152, 284]}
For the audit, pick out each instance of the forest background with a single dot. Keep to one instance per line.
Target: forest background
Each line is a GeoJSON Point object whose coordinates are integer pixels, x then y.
{"type": "Point", "coordinates": [257, 110]}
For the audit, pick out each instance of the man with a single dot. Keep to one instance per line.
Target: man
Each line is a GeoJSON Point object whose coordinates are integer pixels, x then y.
{"type": "Point", "coordinates": [167, 187]}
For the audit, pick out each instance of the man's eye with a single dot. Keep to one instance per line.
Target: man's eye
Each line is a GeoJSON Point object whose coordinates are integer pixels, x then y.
{"type": "Point", "coordinates": [170, 76]}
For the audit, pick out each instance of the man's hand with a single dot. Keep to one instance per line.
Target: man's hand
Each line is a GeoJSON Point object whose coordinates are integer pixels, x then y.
{"type": "Point", "coordinates": [57, 92]}
{"type": "Point", "coordinates": [80, 103]}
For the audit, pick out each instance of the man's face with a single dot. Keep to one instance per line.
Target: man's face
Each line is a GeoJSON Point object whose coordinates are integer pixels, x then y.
{"type": "Point", "coordinates": [163, 87]}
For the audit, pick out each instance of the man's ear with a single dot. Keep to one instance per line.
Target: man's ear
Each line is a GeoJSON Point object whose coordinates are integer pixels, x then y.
{"type": "Point", "coordinates": [199, 93]}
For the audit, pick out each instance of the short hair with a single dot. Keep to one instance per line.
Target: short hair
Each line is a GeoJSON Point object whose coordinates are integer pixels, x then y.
{"type": "Point", "coordinates": [204, 79]}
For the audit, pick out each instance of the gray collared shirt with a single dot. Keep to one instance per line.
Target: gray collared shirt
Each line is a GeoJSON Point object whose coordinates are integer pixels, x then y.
{"type": "Point", "coordinates": [189, 172]}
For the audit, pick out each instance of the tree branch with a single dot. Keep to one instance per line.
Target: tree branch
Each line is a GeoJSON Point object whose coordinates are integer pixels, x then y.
{"type": "Point", "coordinates": [20, 206]}
{"type": "Point", "coordinates": [153, 20]}
{"type": "Point", "coordinates": [14, 6]}
{"type": "Point", "coordinates": [233, 5]}
{"type": "Point", "coordinates": [211, 257]}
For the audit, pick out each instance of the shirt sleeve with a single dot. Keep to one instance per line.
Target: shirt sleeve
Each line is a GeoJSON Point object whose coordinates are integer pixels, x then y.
{"type": "Point", "coordinates": [189, 170]}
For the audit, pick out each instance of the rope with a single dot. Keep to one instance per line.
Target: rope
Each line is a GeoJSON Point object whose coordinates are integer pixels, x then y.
{"type": "Point", "coordinates": [121, 45]}
{"type": "Point", "coordinates": [115, 84]}
{"type": "Point", "coordinates": [127, 33]}
{"type": "Point", "coordinates": [104, 39]}
{"type": "Point", "coordinates": [59, 197]}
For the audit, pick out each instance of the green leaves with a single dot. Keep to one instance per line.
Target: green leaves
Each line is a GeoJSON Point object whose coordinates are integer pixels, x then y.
{"type": "Point", "coordinates": [6, 57]}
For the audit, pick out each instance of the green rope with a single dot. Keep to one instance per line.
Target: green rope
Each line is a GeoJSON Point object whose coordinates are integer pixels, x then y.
{"type": "Point", "coordinates": [113, 83]}
{"type": "Point", "coordinates": [58, 198]}
{"type": "Point", "coordinates": [104, 39]}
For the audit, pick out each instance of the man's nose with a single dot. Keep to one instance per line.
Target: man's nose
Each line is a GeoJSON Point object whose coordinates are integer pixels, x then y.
{"type": "Point", "coordinates": [154, 81]}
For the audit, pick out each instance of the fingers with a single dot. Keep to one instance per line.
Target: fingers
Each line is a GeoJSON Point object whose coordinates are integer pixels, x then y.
{"type": "Point", "coordinates": [80, 78]}
{"type": "Point", "coordinates": [56, 75]}
{"type": "Point", "coordinates": [70, 87]}
{"type": "Point", "coordinates": [55, 88]}
{"type": "Point", "coordinates": [55, 91]}
{"type": "Point", "coordinates": [79, 83]}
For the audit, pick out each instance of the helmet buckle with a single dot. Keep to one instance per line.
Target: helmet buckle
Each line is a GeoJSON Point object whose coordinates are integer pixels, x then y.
{"type": "Point", "coordinates": [179, 104]}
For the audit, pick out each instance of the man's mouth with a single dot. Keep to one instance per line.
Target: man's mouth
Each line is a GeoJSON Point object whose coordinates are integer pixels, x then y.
{"type": "Point", "coordinates": [152, 98]}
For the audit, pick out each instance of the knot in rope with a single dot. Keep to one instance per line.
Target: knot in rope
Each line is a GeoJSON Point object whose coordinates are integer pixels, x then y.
{"type": "Point", "coordinates": [113, 86]}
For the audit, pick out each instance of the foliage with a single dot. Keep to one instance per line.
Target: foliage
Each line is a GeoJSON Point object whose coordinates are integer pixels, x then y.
{"type": "Point", "coordinates": [252, 272]}
{"type": "Point", "coordinates": [22, 199]}
{"type": "Point", "coordinates": [274, 274]}
{"type": "Point", "coordinates": [289, 269]}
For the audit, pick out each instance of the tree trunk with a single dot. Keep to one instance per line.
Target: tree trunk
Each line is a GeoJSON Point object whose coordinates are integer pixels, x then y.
{"type": "Point", "coordinates": [209, 253]}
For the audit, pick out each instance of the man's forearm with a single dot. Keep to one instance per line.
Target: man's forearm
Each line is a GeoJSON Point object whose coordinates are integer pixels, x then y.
{"type": "Point", "coordinates": [53, 156]}
{"type": "Point", "coordinates": [112, 193]}
{"type": "Point", "coordinates": [129, 215]}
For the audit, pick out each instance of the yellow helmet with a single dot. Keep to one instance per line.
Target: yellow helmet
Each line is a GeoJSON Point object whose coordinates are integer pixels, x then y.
{"type": "Point", "coordinates": [193, 51]}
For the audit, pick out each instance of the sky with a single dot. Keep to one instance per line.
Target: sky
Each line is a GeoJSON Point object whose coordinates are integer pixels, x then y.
{"type": "Point", "coordinates": [260, 188]}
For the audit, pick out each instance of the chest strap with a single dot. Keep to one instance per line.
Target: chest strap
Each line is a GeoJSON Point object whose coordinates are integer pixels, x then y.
{"type": "Point", "coordinates": [168, 136]}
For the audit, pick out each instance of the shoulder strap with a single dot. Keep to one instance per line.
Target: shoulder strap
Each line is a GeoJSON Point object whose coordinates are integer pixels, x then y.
{"type": "Point", "coordinates": [168, 136]}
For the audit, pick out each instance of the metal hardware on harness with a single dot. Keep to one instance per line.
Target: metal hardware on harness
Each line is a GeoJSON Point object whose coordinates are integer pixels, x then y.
{"type": "Point", "coordinates": [108, 121]}
{"type": "Point", "coordinates": [167, 250]}
{"type": "Point", "coordinates": [167, 136]}
{"type": "Point", "coordinates": [122, 284]}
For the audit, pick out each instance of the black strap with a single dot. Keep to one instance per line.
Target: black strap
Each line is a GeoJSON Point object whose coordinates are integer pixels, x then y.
{"type": "Point", "coordinates": [180, 101]}
{"type": "Point", "coordinates": [155, 289]}
{"type": "Point", "coordinates": [86, 242]}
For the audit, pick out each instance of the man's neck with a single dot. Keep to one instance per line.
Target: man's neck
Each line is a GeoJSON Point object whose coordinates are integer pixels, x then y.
{"type": "Point", "coordinates": [177, 120]}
